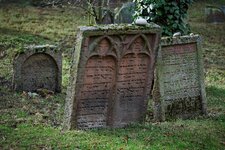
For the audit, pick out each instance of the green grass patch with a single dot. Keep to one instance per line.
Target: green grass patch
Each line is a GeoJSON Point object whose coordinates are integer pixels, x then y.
{"type": "Point", "coordinates": [191, 134]}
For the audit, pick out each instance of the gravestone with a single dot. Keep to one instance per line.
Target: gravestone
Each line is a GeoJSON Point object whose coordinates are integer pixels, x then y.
{"type": "Point", "coordinates": [2, 51]}
{"type": "Point", "coordinates": [108, 16]}
{"type": "Point", "coordinates": [215, 14]}
{"type": "Point", "coordinates": [125, 14]}
{"type": "Point", "coordinates": [180, 90]}
{"type": "Point", "coordinates": [111, 76]}
{"type": "Point", "coordinates": [38, 67]}
{"type": "Point", "coordinates": [116, 3]}
{"type": "Point", "coordinates": [223, 9]}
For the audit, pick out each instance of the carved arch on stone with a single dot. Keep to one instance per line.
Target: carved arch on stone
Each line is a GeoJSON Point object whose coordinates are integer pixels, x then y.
{"type": "Point", "coordinates": [113, 49]}
{"type": "Point", "coordinates": [42, 53]}
{"type": "Point", "coordinates": [28, 81]}
{"type": "Point", "coordinates": [146, 48]}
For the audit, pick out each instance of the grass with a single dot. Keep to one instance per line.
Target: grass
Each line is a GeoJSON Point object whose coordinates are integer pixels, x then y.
{"type": "Point", "coordinates": [21, 26]}
{"type": "Point", "coordinates": [189, 134]}
{"type": "Point", "coordinates": [212, 34]}
{"type": "Point", "coordinates": [35, 122]}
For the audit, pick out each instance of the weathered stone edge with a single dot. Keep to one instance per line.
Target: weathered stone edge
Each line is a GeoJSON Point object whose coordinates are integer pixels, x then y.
{"type": "Point", "coordinates": [38, 48]}
{"type": "Point", "coordinates": [71, 89]}
{"type": "Point", "coordinates": [119, 29]}
{"type": "Point", "coordinates": [166, 41]}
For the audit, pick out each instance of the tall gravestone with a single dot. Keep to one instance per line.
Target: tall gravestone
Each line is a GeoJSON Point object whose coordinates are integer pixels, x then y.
{"type": "Point", "coordinates": [38, 67]}
{"type": "Point", "coordinates": [179, 90]}
{"type": "Point", "coordinates": [111, 76]}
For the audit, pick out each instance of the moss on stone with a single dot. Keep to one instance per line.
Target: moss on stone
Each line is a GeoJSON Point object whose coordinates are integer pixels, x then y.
{"type": "Point", "coordinates": [37, 48]}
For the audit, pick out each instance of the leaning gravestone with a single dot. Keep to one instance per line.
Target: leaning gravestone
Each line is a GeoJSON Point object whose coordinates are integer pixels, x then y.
{"type": "Point", "coordinates": [111, 76]}
{"type": "Point", "coordinates": [38, 67]}
{"type": "Point", "coordinates": [180, 82]}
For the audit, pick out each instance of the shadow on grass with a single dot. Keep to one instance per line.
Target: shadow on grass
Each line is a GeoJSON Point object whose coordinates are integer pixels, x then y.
{"type": "Point", "coordinates": [215, 92]}
{"type": "Point", "coordinates": [216, 98]}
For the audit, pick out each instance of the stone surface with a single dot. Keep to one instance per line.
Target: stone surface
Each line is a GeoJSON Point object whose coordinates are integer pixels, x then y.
{"type": "Point", "coordinates": [223, 9]}
{"type": "Point", "coordinates": [111, 76]}
{"type": "Point", "coordinates": [215, 14]}
{"type": "Point", "coordinates": [38, 67]}
{"type": "Point", "coordinates": [180, 84]}
{"type": "Point", "coordinates": [125, 14]}
{"type": "Point", "coordinates": [2, 51]}
{"type": "Point", "coordinates": [117, 3]}
{"type": "Point", "coordinates": [108, 16]}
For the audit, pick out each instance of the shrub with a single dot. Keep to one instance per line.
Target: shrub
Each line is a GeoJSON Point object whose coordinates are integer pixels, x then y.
{"type": "Point", "coordinates": [171, 15]}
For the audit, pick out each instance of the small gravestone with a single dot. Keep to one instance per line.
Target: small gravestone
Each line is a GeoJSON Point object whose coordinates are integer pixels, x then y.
{"type": "Point", "coordinates": [2, 51]}
{"type": "Point", "coordinates": [38, 67]}
{"type": "Point", "coordinates": [215, 14]}
{"type": "Point", "coordinates": [116, 3]}
{"type": "Point", "coordinates": [111, 76]}
{"type": "Point", "coordinates": [125, 14]}
{"type": "Point", "coordinates": [107, 17]}
{"type": "Point", "coordinates": [223, 9]}
{"type": "Point", "coordinates": [180, 89]}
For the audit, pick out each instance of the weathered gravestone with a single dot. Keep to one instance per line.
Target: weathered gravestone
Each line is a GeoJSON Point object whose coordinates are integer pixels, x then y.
{"type": "Point", "coordinates": [215, 14]}
{"type": "Point", "coordinates": [223, 9]}
{"type": "Point", "coordinates": [116, 3]}
{"type": "Point", "coordinates": [111, 76]}
{"type": "Point", "coordinates": [2, 51]}
{"type": "Point", "coordinates": [38, 67]}
{"type": "Point", "coordinates": [125, 14]}
{"type": "Point", "coordinates": [180, 90]}
{"type": "Point", "coordinates": [107, 16]}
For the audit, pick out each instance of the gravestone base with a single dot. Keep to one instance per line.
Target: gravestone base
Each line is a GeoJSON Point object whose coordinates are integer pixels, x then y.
{"type": "Point", "coordinates": [183, 108]}
{"type": "Point", "coordinates": [38, 67]}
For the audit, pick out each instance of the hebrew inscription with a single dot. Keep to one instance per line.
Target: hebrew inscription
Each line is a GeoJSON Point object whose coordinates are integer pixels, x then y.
{"type": "Point", "coordinates": [131, 84]}
{"type": "Point", "coordinates": [96, 92]}
{"type": "Point", "coordinates": [111, 76]}
{"type": "Point", "coordinates": [181, 79]}
{"type": "Point", "coordinates": [181, 71]}
{"type": "Point", "coordinates": [39, 71]}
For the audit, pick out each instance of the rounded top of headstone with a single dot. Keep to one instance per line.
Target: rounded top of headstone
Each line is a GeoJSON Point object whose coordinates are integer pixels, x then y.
{"type": "Point", "coordinates": [38, 48]}
{"type": "Point", "coordinates": [180, 39]}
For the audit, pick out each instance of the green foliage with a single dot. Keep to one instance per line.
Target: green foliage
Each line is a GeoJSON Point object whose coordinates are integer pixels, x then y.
{"type": "Point", "coordinates": [171, 15]}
